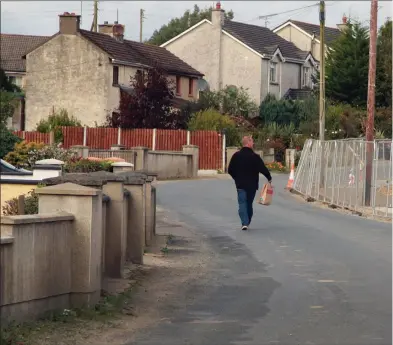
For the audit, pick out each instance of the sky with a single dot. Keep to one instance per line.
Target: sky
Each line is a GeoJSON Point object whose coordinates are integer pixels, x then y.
{"type": "Point", "coordinates": [41, 17]}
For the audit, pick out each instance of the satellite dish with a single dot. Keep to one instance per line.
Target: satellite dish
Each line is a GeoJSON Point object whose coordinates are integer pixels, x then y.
{"type": "Point", "coordinates": [203, 85]}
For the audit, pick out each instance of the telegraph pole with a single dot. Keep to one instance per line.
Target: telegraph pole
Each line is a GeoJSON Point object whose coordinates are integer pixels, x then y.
{"type": "Point", "coordinates": [141, 17]}
{"type": "Point", "coordinates": [371, 98]}
{"type": "Point", "coordinates": [95, 16]}
{"type": "Point", "coordinates": [322, 71]}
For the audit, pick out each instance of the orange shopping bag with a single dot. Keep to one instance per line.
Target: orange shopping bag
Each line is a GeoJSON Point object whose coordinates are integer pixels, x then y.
{"type": "Point", "coordinates": [266, 196]}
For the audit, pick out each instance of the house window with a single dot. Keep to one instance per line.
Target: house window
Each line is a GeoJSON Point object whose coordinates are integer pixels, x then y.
{"type": "Point", "coordinates": [178, 87]}
{"type": "Point", "coordinates": [190, 87]}
{"type": "Point", "coordinates": [273, 72]}
{"type": "Point", "coordinates": [306, 76]}
{"type": "Point", "coordinates": [115, 75]}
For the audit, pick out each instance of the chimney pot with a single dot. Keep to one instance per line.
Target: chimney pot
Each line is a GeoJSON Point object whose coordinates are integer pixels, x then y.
{"type": "Point", "coordinates": [118, 32]}
{"type": "Point", "coordinates": [345, 19]}
{"type": "Point", "coordinates": [218, 5]}
{"type": "Point", "coordinates": [106, 22]}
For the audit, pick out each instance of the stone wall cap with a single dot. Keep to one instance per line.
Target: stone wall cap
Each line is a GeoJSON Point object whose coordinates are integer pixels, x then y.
{"type": "Point", "coordinates": [122, 164]}
{"type": "Point", "coordinates": [67, 188]}
{"type": "Point", "coordinates": [79, 147]}
{"type": "Point", "coordinates": [94, 179]}
{"type": "Point", "coordinates": [190, 146]}
{"type": "Point", "coordinates": [50, 161]}
{"type": "Point", "coordinates": [135, 181]}
{"type": "Point", "coordinates": [37, 218]}
{"type": "Point", "coordinates": [7, 240]}
{"type": "Point", "coordinates": [107, 176]}
{"type": "Point", "coordinates": [47, 167]}
{"type": "Point", "coordinates": [146, 172]}
{"type": "Point", "coordinates": [140, 148]}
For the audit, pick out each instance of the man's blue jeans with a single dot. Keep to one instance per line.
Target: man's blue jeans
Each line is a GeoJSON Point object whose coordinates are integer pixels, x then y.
{"type": "Point", "coordinates": [245, 199]}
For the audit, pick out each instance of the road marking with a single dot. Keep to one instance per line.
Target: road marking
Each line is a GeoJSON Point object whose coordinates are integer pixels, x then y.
{"type": "Point", "coordinates": [316, 307]}
{"type": "Point", "coordinates": [326, 281]}
{"type": "Point", "coordinates": [284, 246]}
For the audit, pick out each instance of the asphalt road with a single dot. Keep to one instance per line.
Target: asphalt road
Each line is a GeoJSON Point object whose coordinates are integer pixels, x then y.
{"type": "Point", "coordinates": [301, 275]}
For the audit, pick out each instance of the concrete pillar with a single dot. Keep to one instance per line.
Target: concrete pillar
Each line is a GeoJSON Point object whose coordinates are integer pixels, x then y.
{"type": "Point", "coordinates": [116, 230]}
{"type": "Point", "coordinates": [47, 168]}
{"type": "Point", "coordinates": [194, 150]}
{"type": "Point", "coordinates": [86, 205]}
{"type": "Point", "coordinates": [154, 203]}
{"type": "Point", "coordinates": [230, 152]}
{"type": "Point", "coordinates": [150, 211]}
{"type": "Point", "coordinates": [289, 157]}
{"type": "Point", "coordinates": [82, 151]}
{"type": "Point", "coordinates": [136, 224]}
{"type": "Point", "coordinates": [122, 166]}
{"type": "Point", "coordinates": [141, 157]}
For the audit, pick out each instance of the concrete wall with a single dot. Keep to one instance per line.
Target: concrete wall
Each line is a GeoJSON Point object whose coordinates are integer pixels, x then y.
{"type": "Point", "coordinates": [64, 73]}
{"type": "Point", "coordinates": [35, 272]}
{"type": "Point", "coordinates": [169, 165]}
{"type": "Point", "coordinates": [55, 260]}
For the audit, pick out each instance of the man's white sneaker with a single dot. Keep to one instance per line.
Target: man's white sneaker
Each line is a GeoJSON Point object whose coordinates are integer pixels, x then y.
{"type": "Point", "coordinates": [244, 227]}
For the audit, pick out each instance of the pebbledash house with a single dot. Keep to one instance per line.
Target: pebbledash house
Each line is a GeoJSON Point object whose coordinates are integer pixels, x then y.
{"type": "Point", "coordinates": [84, 72]}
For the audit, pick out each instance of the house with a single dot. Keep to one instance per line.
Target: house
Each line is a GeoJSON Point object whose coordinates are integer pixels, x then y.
{"type": "Point", "coordinates": [12, 49]}
{"type": "Point", "coordinates": [84, 72]}
{"type": "Point", "coordinates": [306, 36]}
{"type": "Point", "coordinates": [243, 55]}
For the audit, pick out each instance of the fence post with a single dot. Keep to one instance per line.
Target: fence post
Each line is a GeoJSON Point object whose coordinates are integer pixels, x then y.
{"type": "Point", "coordinates": [21, 204]}
{"type": "Point", "coordinates": [154, 139]}
{"type": "Point", "coordinates": [84, 135]}
{"type": "Point", "coordinates": [188, 138]}
{"type": "Point", "coordinates": [223, 151]}
{"type": "Point", "coordinates": [51, 137]}
{"type": "Point", "coordinates": [119, 136]}
{"type": "Point", "coordinates": [23, 135]}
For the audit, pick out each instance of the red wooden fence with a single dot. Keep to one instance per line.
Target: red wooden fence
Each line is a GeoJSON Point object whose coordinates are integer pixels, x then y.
{"type": "Point", "coordinates": [210, 143]}
{"type": "Point", "coordinates": [34, 136]}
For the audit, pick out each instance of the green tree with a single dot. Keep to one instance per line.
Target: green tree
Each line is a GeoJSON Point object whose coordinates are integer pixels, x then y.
{"type": "Point", "coordinates": [384, 66]}
{"type": "Point", "coordinates": [347, 66]}
{"type": "Point", "coordinates": [7, 138]}
{"type": "Point", "coordinates": [178, 25]}
{"type": "Point", "coordinates": [5, 84]}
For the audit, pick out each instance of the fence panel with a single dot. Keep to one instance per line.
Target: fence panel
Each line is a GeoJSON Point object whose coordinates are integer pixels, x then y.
{"type": "Point", "coordinates": [101, 138]}
{"type": "Point", "coordinates": [170, 140]}
{"type": "Point", "coordinates": [72, 136]}
{"type": "Point", "coordinates": [137, 137]}
{"type": "Point", "coordinates": [36, 137]}
{"type": "Point", "coordinates": [335, 172]}
{"type": "Point", "coordinates": [210, 149]}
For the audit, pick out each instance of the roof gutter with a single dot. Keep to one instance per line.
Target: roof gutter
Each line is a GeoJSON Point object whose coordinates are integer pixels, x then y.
{"type": "Point", "coordinates": [131, 64]}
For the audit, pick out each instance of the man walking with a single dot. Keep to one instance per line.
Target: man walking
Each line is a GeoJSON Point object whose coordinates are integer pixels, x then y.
{"type": "Point", "coordinates": [244, 168]}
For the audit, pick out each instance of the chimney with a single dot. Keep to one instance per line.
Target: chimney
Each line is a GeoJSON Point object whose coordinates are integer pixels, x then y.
{"type": "Point", "coordinates": [118, 32]}
{"type": "Point", "coordinates": [114, 30]}
{"type": "Point", "coordinates": [69, 23]}
{"type": "Point", "coordinates": [344, 23]}
{"type": "Point", "coordinates": [218, 15]}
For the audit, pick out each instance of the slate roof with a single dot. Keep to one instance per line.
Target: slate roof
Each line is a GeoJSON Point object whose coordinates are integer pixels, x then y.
{"type": "Point", "coordinates": [141, 53]}
{"type": "Point", "coordinates": [330, 33]}
{"type": "Point", "coordinates": [263, 40]}
{"type": "Point", "coordinates": [14, 47]}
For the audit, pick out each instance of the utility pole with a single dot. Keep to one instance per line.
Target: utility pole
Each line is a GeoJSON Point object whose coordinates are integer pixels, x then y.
{"type": "Point", "coordinates": [141, 17]}
{"type": "Point", "coordinates": [371, 99]}
{"type": "Point", "coordinates": [322, 71]}
{"type": "Point", "coordinates": [94, 26]}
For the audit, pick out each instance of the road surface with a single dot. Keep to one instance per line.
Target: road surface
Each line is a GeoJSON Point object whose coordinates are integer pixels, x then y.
{"type": "Point", "coordinates": [301, 275]}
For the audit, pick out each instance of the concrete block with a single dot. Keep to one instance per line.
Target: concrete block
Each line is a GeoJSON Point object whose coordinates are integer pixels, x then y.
{"type": "Point", "coordinates": [194, 150]}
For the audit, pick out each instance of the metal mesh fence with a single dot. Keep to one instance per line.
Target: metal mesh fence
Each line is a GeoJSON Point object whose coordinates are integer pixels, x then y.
{"type": "Point", "coordinates": [335, 172]}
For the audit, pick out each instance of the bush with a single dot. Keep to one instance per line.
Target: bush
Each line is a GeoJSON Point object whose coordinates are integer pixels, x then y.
{"type": "Point", "coordinates": [31, 205]}
{"type": "Point", "coordinates": [276, 166]}
{"type": "Point", "coordinates": [54, 123]}
{"type": "Point", "coordinates": [83, 165]}
{"type": "Point", "coordinates": [26, 154]}
{"type": "Point", "coordinates": [19, 157]}
{"type": "Point", "coordinates": [212, 120]}
{"type": "Point", "coordinates": [8, 140]}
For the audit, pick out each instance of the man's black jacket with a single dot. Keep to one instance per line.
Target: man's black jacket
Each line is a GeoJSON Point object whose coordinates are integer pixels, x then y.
{"type": "Point", "coordinates": [245, 167]}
